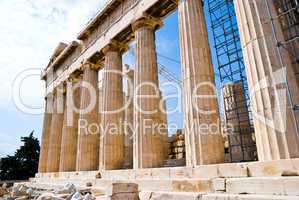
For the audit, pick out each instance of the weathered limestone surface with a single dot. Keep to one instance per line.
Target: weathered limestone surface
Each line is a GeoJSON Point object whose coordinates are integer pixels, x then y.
{"type": "Point", "coordinates": [246, 197]}
{"type": "Point", "coordinates": [202, 147]}
{"type": "Point", "coordinates": [147, 195]}
{"type": "Point", "coordinates": [112, 143]}
{"type": "Point", "coordinates": [68, 155]}
{"type": "Point", "coordinates": [274, 168]}
{"type": "Point", "coordinates": [261, 185]}
{"type": "Point", "coordinates": [233, 181]}
{"type": "Point", "coordinates": [152, 195]}
{"type": "Point", "coordinates": [119, 191]}
{"type": "Point", "coordinates": [274, 124]}
{"type": "Point", "coordinates": [46, 134]}
{"type": "Point", "coordinates": [56, 131]}
{"type": "Point", "coordinates": [88, 139]}
{"type": "Point", "coordinates": [148, 143]}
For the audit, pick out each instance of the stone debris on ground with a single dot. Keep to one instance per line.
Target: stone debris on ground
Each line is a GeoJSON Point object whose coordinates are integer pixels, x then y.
{"type": "Point", "coordinates": [68, 192]}
{"type": "Point", "coordinates": [67, 189]}
{"type": "Point", "coordinates": [3, 190]}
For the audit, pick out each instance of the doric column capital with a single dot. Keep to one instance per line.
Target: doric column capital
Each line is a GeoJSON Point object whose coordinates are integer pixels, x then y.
{"type": "Point", "coordinates": [75, 77]}
{"type": "Point", "coordinates": [115, 46]}
{"type": "Point", "coordinates": [60, 89]}
{"type": "Point", "coordinates": [147, 21]}
{"type": "Point", "coordinates": [89, 65]}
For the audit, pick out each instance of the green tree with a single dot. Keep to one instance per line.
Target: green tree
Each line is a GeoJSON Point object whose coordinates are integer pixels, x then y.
{"type": "Point", "coordinates": [24, 164]}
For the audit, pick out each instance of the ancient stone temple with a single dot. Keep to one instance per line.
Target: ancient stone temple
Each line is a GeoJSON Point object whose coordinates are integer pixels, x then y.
{"type": "Point", "coordinates": [84, 141]}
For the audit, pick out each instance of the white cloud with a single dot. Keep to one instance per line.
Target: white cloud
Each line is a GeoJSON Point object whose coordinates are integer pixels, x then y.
{"type": "Point", "coordinates": [30, 30]}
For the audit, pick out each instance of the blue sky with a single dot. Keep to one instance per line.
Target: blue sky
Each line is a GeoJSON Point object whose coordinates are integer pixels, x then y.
{"type": "Point", "coordinates": [29, 32]}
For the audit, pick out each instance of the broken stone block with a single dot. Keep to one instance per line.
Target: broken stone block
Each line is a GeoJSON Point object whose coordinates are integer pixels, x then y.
{"type": "Point", "coordinates": [3, 192]}
{"type": "Point", "coordinates": [124, 187]}
{"type": "Point", "coordinates": [67, 189]}
{"type": "Point", "coordinates": [4, 186]}
{"type": "Point", "coordinates": [23, 198]}
{"type": "Point", "coordinates": [125, 196]}
{"type": "Point", "coordinates": [289, 173]}
{"type": "Point", "coordinates": [49, 196]}
{"type": "Point", "coordinates": [88, 197]}
{"type": "Point", "coordinates": [29, 192]}
{"type": "Point", "coordinates": [19, 190]}
{"type": "Point", "coordinates": [77, 196]}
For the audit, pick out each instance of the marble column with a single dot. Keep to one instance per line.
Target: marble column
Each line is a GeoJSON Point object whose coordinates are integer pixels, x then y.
{"type": "Point", "coordinates": [203, 146]}
{"type": "Point", "coordinates": [129, 119]}
{"type": "Point", "coordinates": [42, 167]}
{"type": "Point", "coordinates": [68, 155]}
{"type": "Point", "coordinates": [56, 130]}
{"type": "Point", "coordinates": [112, 137]}
{"type": "Point", "coordinates": [165, 129]}
{"type": "Point", "coordinates": [274, 123]}
{"type": "Point", "coordinates": [88, 125]}
{"type": "Point", "coordinates": [147, 141]}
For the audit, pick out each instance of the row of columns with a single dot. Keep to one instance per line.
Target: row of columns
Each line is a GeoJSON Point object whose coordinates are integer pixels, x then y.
{"type": "Point", "coordinates": [202, 146]}
{"type": "Point", "coordinates": [149, 148]}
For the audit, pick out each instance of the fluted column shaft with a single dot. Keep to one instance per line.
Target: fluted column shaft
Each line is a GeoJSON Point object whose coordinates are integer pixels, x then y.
{"type": "Point", "coordinates": [88, 139]}
{"type": "Point", "coordinates": [165, 129]}
{"type": "Point", "coordinates": [202, 146]}
{"type": "Point", "coordinates": [275, 127]}
{"type": "Point", "coordinates": [56, 131]}
{"type": "Point", "coordinates": [129, 120]}
{"type": "Point", "coordinates": [69, 143]}
{"type": "Point", "coordinates": [112, 143]}
{"type": "Point", "coordinates": [42, 167]}
{"type": "Point", "coordinates": [147, 141]}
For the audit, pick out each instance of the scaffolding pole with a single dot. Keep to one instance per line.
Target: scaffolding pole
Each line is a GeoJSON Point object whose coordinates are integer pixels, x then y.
{"type": "Point", "coordinates": [232, 72]}
{"type": "Point", "coordinates": [288, 19]}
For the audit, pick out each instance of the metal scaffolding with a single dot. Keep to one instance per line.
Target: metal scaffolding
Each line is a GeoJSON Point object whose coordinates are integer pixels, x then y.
{"type": "Point", "coordinates": [288, 16]}
{"type": "Point", "coordinates": [285, 16]}
{"type": "Point", "coordinates": [232, 71]}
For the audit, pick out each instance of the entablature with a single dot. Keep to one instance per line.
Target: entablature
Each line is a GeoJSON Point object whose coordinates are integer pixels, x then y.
{"type": "Point", "coordinates": [120, 30]}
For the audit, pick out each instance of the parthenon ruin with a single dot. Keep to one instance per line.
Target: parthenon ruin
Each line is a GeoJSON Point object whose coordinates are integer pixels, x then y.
{"type": "Point", "coordinates": [114, 154]}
